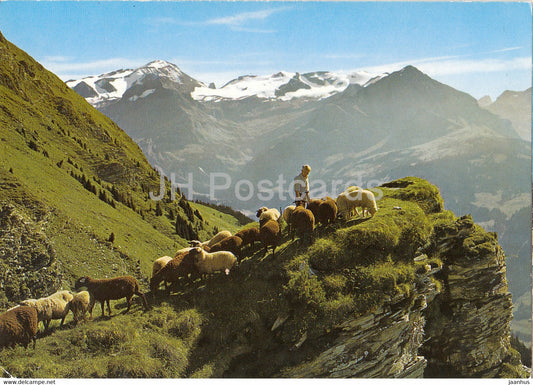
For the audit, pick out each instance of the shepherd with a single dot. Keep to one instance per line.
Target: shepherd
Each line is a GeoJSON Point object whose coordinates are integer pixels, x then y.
{"type": "Point", "coordinates": [301, 186]}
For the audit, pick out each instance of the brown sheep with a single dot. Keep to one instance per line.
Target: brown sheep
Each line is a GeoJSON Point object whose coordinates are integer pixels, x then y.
{"type": "Point", "coordinates": [103, 290]}
{"type": "Point", "coordinates": [18, 325]}
{"type": "Point", "coordinates": [302, 221]}
{"type": "Point", "coordinates": [232, 244]}
{"type": "Point", "coordinates": [313, 205]}
{"type": "Point", "coordinates": [269, 234]}
{"type": "Point", "coordinates": [249, 236]}
{"type": "Point", "coordinates": [327, 211]}
{"type": "Point", "coordinates": [179, 267]}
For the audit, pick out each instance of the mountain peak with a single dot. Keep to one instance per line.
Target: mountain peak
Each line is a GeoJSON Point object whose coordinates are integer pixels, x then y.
{"type": "Point", "coordinates": [136, 83]}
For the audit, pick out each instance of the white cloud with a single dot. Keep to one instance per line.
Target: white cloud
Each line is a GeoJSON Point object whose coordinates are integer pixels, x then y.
{"type": "Point", "coordinates": [66, 69]}
{"type": "Point", "coordinates": [241, 18]}
{"type": "Point", "coordinates": [238, 22]}
{"type": "Point", "coordinates": [454, 65]}
{"type": "Point", "coordinates": [459, 67]}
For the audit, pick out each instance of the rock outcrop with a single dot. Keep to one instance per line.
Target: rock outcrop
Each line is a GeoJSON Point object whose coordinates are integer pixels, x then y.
{"type": "Point", "coordinates": [382, 344]}
{"type": "Point", "coordinates": [469, 323]}
{"type": "Point", "coordinates": [454, 323]}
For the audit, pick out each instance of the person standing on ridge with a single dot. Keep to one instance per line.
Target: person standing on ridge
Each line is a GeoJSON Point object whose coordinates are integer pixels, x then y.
{"type": "Point", "coordinates": [301, 186]}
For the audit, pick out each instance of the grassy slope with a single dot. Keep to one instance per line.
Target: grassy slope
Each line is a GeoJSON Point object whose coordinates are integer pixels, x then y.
{"type": "Point", "coordinates": [49, 132]}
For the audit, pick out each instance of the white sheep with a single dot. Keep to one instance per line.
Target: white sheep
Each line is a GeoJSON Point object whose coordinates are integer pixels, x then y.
{"type": "Point", "coordinates": [159, 263]}
{"type": "Point", "coordinates": [265, 214]}
{"type": "Point", "coordinates": [207, 263]}
{"type": "Point", "coordinates": [354, 197]}
{"type": "Point", "coordinates": [287, 212]}
{"type": "Point", "coordinates": [52, 307]}
{"type": "Point", "coordinates": [79, 305]}
{"type": "Point", "coordinates": [210, 243]}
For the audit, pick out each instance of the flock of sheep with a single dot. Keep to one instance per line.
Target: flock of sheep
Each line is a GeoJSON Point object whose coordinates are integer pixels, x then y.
{"type": "Point", "coordinates": [18, 325]}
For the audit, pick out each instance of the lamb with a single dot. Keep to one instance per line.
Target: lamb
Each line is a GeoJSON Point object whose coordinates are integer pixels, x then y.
{"type": "Point", "coordinates": [79, 305]}
{"type": "Point", "coordinates": [269, 234]}
{"type": "Point", "coordinates": [213, 241]}
{"type": "Point", "coordinates": [103, 290]}
{"type": "Point", "coordinates": [249, 236]}
{"type": "Point", "coordinates": [179, 267]}
{"type": "Point", "coordinates": [18, 325]}
{"type": "Point", "coordinates": [159, 263]}
{"type": "Point", "coordinates": [52, 307]}
{"type": "Point", "coordinates": [232, 244]}
{"type": "Point", "coordinates": [287, 215]}
{"type": "Point", "coordinates": [265, 214]}
{"type": "Point", "coordinates": [349, 200]}
{"type": "Point", "coordinates": [210, 262]}
{"type": "Point", "coordinates": [303, 221]}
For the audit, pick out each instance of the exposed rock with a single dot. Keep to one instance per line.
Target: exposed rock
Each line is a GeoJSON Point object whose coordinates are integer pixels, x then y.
{"type": "Point", "coordinates": [28, 267]}
{"type": "Point", "coordinates": [469, 323]}
{"type": "Point", "coordinates": [384, 343]}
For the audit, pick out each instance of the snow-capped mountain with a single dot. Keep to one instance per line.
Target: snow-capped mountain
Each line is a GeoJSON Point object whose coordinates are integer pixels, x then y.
{"type": "Point", "coordinates": [133, 83]}
{"type": "Point", "coordinates": [109, 87]}
{"type": "Point", "coordinates": [285, 86]}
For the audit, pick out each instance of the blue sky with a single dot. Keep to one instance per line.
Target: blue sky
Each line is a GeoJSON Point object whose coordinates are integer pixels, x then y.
{"type": "Point", "coordinates": [480, 48]}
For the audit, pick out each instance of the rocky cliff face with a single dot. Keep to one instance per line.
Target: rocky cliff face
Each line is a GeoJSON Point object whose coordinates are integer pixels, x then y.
{"type": "Point", "coordinates": [385, 343]}
{"type": "Point", "coordinates": [455, 323]}
{"type": "Point", "coordinates": [468, 325]}
{"type": "Point", "coordinates": [27, 257]}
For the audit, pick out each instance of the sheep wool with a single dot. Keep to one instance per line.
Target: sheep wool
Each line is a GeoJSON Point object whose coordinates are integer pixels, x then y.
{"type": "Point", "coordinates": [265, 214]}
{"type": "Point", "coordinates": [327, 211]}
{"type": "Point", "coordinates": [218, 237]}
{"type": "Point", "coordinates": [18, 325]}
{"type": "Point", "coordinates": [349, 200]}
{"type": "Point", "coordinates": [79, 305]}
{"type": "Point", "coordinates": [103, 290]}
{"type": "Point", "coordinates": [269, 234]}
{"type": "Point", "coordinates": [303, 221]}
{"type": "Point", "coordinates": [210, 262]}
{"type": "Point", "coordinates": [210, 243]}
{"type": "Point", "coordinates": [52, 307]}
{"type": "Point", "coordinates": [159, 263]}
{"type": "Point", "coordinates": [180, 266]}
{"type": "Point", "coordinates": [249, 236]}
{"type": "Point", "coordinates": [232, 244]}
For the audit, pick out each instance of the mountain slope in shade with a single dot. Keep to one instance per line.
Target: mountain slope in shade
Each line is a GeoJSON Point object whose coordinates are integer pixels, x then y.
{"type": "Point", "coordinates": [514, 106]}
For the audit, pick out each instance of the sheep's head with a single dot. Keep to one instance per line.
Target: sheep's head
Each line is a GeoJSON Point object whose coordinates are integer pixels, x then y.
{"type": "Point", "coordinates": [195, 243]}
{"type": "Point", "coordinates": [197, 253]}
{"type": "Point", "coordinates": [65, 295]}
{"type": "Point", "coordinates": [81, 282]}
{"type": "Point", "coordinates": [261, 211]}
